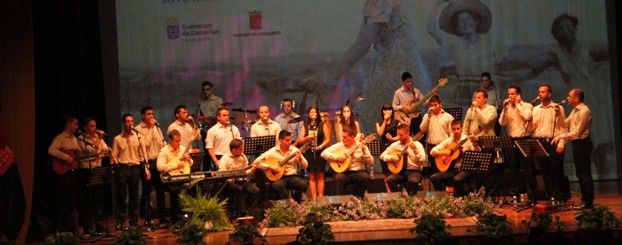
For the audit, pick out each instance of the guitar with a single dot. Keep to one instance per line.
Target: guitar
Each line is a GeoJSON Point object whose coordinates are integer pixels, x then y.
{"type": "Point", "coordinates": [61, 166]}
{"type": "Point", "coordinates": [340, 167]}
{"type": "Point", "coordinates": [275, 165]}
{"type": "Point", "coordinates": [443, 162]}
{"type": "Point", "coordinates": [403, 117]}
{"type": "Point", "coordinates": [397, 166]}
{"type": "Point", "coordinates": [185, 165]}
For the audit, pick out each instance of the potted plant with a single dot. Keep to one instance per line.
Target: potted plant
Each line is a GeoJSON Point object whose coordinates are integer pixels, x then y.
{"type": "Point", "coordinates": [315, 231]}
{"type": "Point", "coordinates": [131, 236]}
{"type": "Point", "coordinates": [431, 229]}
{"type": "Point", "coordinates": [205, 211]}
{"type": "Point", "coordinates": [191, 234]}
{"type": "Point", "coordinates": [62, 238]}
{"type": "Point", "coordinates": [246, 234]}
{"type": "Point", "coordinates": [595, 225]}
{"type": "Point", "coordinates": [541, 228]}
{"type": "Point", "coordinates": [495, 229]}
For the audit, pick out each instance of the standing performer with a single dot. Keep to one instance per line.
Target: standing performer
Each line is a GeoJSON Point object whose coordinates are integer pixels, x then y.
{"type": "Point", "coordinates": [209, 102]}
{"type": "Point", "coordinates": [412, 156]}
{"type": "Point", "coordinates": [153, 138]}
{"type": "Point", "coordinates": [404, 98]}
{"type": "Point", "coordinates": [356, 174]}
{"type": "Point", "coordinates": [219, 137]}
{"type": "Point", "coordinates": [287, 114]}
{"type": "Point", "coordinates": [290, 180]}
{"type": "Point", "coordinates": [579, 124]}
{"type": "Point", "coordinates": [516, 115]}
{"type": "Point", "coordinates": [386, 129]}
{"type": "Point", "coordinates": [65, 152]}
{"type": "Point", "coordinates": [171, 158]}
{"type": "Point", "coordinates": [265, 126]}
{"type": "Point", "coordinates": [184, 123]}
{"type": "Point", "coordinates": [546, 125]}
{"type": "Point", "coordinates": [437, 124]}
{"type": "Point", "coordinates": [127, 154]}
{"type": "Point", "coordinates": [91, 197]}
{"type": "Point", "coordinates": [318, 134]}
{"type": "Point", "coordinates": [480, 115]}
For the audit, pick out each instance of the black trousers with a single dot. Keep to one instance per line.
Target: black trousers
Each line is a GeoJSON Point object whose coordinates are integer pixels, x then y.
{"type": "Point", "coordinates": [90, 202]}
{"type": "Point", "coordinates": [521, 171]}
{"type": "Point", "coordinates": [582, 155]}
{"type": "Point", "coordinates": [552, 168]}
{"type": "Point", "coordinates": [296, 183]}
{"type": "Point", "coordinates": [408, 179]}
{"type": "Point", "coordinates": [66, 191]}
{"type": "Point", "coordinates": [240, 192]}
{"type": "Point", "coordinates": [155, 182]}
{"type": "Point", "coordinates": [415, 122]}
{"type": "Point", "coordinates": [452, 177]}
{"type": "Point", "coordinates": [357, 180]}
{"type": "Point", "coordinates": [125, 186]}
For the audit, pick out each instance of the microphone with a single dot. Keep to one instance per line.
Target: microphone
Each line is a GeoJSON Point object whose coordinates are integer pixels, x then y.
{"type": "Point", "coordinates": [536, 99]}
{"type": "Point", "coordinates": [135, 130]}
{"type": "Point", "coordinates": [562, 102]}
{"type": "Point", "coordinates": [100, 132]}
{"type": "Point", "coordinates": [78, 133]}
{"type": "Point", "coordinates": [506, 102]}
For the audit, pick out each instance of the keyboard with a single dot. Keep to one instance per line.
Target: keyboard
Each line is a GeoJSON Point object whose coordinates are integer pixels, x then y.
{"type": "Point", "coordinates": [207, 175]}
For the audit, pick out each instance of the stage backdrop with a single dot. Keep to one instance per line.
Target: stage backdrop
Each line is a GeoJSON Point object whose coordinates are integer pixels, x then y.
{"type": "Point", "coordinates": [325, 52]}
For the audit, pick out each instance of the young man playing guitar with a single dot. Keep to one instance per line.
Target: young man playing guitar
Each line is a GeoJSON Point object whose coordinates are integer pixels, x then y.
{"type": "Point", "coordinates": [444, 150]}
{"type": "Point", "coordinates": [270, 162]}
{"type": "Point", "coordinates": [409, 153]}
{"type": "Point", "coordinates": [356, 173]}
{"type": "Point", "coordinates": [237, 189]}
{"type": "Point", "coordinates": [171, 159]}
{"type": "Point", "coordinates": [403, 98]}
{"type": "Point", "coordinates": [65, 152]}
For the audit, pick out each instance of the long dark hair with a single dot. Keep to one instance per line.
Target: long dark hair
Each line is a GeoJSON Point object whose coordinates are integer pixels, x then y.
{"type": "Point", "coordinates": [386, 107]}
{"type": "Point", "coordinates": [318, 119]}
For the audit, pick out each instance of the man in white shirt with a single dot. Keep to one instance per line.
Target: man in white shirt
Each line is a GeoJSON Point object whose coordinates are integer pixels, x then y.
{"type": "Point", "coordinates": [480, 115]}
{"type": "Point", "coordinates": [240, 190]}
{"type": "Point", "coordinates": [356, 175]}
{"type": "Point", "coordinates": [437, 124]}
{"type": "Point", "coordinates": [579, 124]}
{"type": "Point", "coordinates": [173, 157]}
{"type": "Point", "coordinates": [413, 158]}
{"type": "Point", "coordinates": [547, 124]}
{"type": "Point", "coordinates": [128, 155]}
{"type": "Point", "coordinates": [184, 123]}
{"type": "Point", "coordinates": [265, 126]}
{"type": "Point", "coordinates": [290, 179]}
{"type": "Point", "coordinates": [454, 174]}
{"type": "Point", "coordinates": [153, 138]}
{"type": "Point", "coordinates": [219, 136]}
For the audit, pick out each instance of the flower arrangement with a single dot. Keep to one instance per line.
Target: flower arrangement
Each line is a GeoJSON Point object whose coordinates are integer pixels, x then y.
{"type": "Point", "coordinates": [314, 231]}
{"type": "Point", "coordinates": [431, 229]}
{"type": "Point", "coordinates": [62, 238]}
{"type": "Point", "coordinates": [131, 236]}
{"type": "Point", "coordinates": [595, 225]}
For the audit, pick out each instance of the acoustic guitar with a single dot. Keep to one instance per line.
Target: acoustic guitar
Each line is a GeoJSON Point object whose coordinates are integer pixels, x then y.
{"type": "Point", "coordinates": [276, 167]}
{"type": "Point", "coordinates": [444, 162]}
{"type": "Point", "coordinates": [61, 166]}
{"type": "Point", "coordinates": [340, 167]}
{"type": "Point", "coordinates": [397, 166]}
{"type": "Point", "coordinates": [403, 117]}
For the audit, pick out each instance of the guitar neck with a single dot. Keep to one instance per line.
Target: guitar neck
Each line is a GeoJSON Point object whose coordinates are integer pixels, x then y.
{"type": "Point", "coordinates": [293, 154]}
{"type": "Point", "coordinates": [425, 98]}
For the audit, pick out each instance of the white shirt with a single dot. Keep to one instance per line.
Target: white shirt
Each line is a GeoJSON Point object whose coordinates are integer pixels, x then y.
{"type": "Point", "coordinates": [360, 159]}
{"type": "Point", "coordinates": [261, 129]}
{"type": "Point", "coordinates": [416, 160]}
{"type": "Point", "coordinates": [291, 166]}
{"type": "Point", "coordinates": [402, 97]}
{"type": "Point", "coordinates": [152, 138]}
{"type": "Point", "coordinates": [91, 152]}
{"type": "Point", "coordinates": [439, 126]}
{"type": "Point", "coordinates": [483, 117]}
{"type": "Point", "coordinates": [166, 154]}
{"type": "Point", "coordinates": [126, 149]}
{"type": "Point", "coordinates": [467, 146]}
{"type": "Point", "coordinates": [219, 136]}
{"type": "Point", "coordinates": [544, 120]}
{"type": "Point", "coordinates": [293, 128]}
{"type": "Point", "coordinates": [579, 122]}
{"type": "Point", "coordinates": [230, 162]}
{"type": "Point", "coordinates": [187, 132]}
{"type": "Point", "coordinates": [63, 141]}
{"type": "Point", "coordinates": [516, 118]}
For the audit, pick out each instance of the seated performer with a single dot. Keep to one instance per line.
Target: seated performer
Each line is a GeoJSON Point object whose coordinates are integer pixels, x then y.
{"type": "Point", "coordinates": [356, 173]}
{"type": "Point", "coordinates": [411, 154]}
{"type": "Point", "coordinates": [238, 188]}
{"type": "Point", "coordinates": [289, 180]}
{"type": "Point", "coordinates": [454, 174]}
{"type": "Point", "coordinates": [171, 159]}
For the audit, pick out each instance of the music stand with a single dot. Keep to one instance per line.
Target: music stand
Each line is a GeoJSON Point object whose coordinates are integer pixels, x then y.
{"type": "Point", "coordinates": [100, 176]}
{"type": "Point", "coordinates": [498, 143]}
{"type": "Point", "coordinates": [531, 147]}
{"type": "Point", "coordinates": [455, 112]}
{"type": "Point", "coordinates": [197, 159]}
{"type": "Point", "coordinates": [475, 161]}
{"type": "Point", "coordinates": [375, 147]}
{"type": "Point", "coordinates": [258, 145]}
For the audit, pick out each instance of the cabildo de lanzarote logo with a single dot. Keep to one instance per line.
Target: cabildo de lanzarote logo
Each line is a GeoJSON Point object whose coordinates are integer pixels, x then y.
{"type": "Point", "coordinates": [254, 19]}
{"type": "Point", "coordinates": [256, 27]}
{"type": "Point", "coordinates": [172, 28]}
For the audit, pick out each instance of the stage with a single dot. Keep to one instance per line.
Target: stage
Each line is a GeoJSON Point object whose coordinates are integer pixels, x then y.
{"type": "Point", "coordinates": [396, 231]}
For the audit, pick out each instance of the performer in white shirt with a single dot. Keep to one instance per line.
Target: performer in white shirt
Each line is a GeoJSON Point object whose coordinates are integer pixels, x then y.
{"type": "Point", "coordinates": [414, 158]}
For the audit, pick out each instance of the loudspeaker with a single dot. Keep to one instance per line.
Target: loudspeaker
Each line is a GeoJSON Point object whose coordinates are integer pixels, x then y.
{"type": "Point", "coordinates": [334, 200]}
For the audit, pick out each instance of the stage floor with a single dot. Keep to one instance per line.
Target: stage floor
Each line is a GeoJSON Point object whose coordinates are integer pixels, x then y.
{"type": "Point", "coordinates": [608, 193]}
